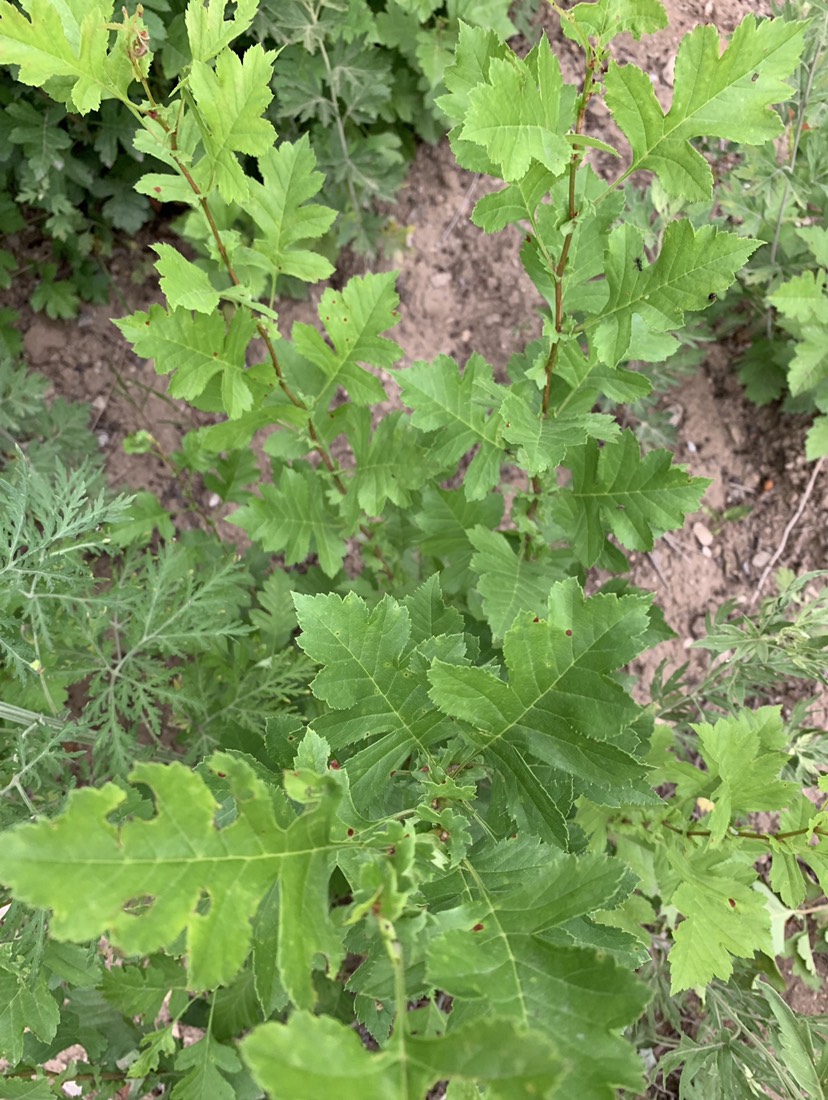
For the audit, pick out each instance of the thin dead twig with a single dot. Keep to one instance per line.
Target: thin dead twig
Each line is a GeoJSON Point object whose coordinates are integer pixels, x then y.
{"type": "Point", "coordinates": [460, 211]}
{"type": "Point", "coordinates": [786, 534]}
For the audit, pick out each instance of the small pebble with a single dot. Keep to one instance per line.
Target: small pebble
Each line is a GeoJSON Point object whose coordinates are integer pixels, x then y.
{"type": "Point", "coordinates": [703, 535]}
{"type": "Point", "coordinates": [214, 500]}
{"type": "Point", "coordinates": [441, 278]}
{"type": "Point", "coordinates": [760, 559]}
{"type": "Point", "coordinates": [103, 438]}
{"type": "Point", "coordinates": [691, 447]}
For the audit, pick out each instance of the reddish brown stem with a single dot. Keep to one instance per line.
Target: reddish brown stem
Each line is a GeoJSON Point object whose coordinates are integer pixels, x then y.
{"type": "Point", "coordinates": [295, 400]}
{"type": "Point", "coordinates": [560, 268]}
{"type": "Point", "coordinates": [745, 834]}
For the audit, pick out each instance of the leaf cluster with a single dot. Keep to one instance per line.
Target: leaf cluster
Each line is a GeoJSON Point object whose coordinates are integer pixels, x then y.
{"type": "Point", "coordinates": [780, 196]}
{"type": "Point", "coordinates": [442, 868]}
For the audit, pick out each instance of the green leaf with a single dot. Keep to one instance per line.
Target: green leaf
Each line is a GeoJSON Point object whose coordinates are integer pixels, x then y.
{"type": "Point", "coordinates": [58, 42]}
{"type": "Point", "coordinates": [744, 755]}
{"type": "Point", "coordinates": [816, 441]}
{"type": "Point", "coordinates": [786, 876]}
{"type": "Point", "coordinates": [522, 113]}
{"type": "Point", "coordinates": [154, 1044]}
{"type": "Point", "coordinates": [208, 31]}
{"type": "Point", "coordinates": [458, 407]}
{"type": "Point", "coordinates": [578, 382]}
{"type": "Point", "coordinates": [808, 370]}
{"type": "Point", "coordinates": [196, 347]}
{"type": "Point", "coordinates": [25, 1005]}
{"type": "Point", "coordinates": [475, 49]}
{"type": "Point", "coordinates": [141, 990]}
{"type": "Point", "coordinates": [797, 1044]}
{"type": "Point", "coordinates": [207, 1062]}
{"type": "Point", "coordinates": [802, 304]}
{"type": "Point", "coordinates": [313, 1056]}
{"type": "Point", "coordinates": [692, 268]}
{"type": "Point", "coordinates": [184, 285]}
{"type": "Point", "coordinates": [294, 517]}
{"type": "Point", "coordinates": [724, 917]}
{"type": "Point", "coordinates": [374, 677]}
{"type": "Point", "coordinates": [543, 442]}
{"type": "Point", "coordinates": [583, 291]}
{"type": "Point", "coordinates": [803, 297]}
{"type": "Point", "coordinates": [389, 463]}
{"type": "Point", "coordinates": [144, 883]}
{"type": "Point", "coordinates": [515, 203]}
{"type": "Point", "coordinates": [719, 94]}
{"type": "Point", "coordinates": [231, 100]}
{"type": "Point", "coordinates": [445, 520]}
{"type": "Point", "coordinates": [143, 517]}
{"type": "Point", "coordinates": [513, 958]}
{"type": "Point", "coordinates": [560, 705]}
{"type": "Point", "coordinates": [606, 19]}
{"type": "Point", "coordinates": [27, 1089]}
{"type": "Point", "coordinates": [354, 318]}
{"type": "Point", "coordinates": [509, 580]}
{"type": "Point", "coordinates": [285, 222]}
{"type": "Point", "coordinates": [8, 266]}
{"type": "Point", "coordinates": [232, 475]}
{"type": "Point", "coordinates": [59, 299]}
{"type": "Point", "coordinates": [816, 240]}
{"type": "Point", "coordinates": [636, 498]}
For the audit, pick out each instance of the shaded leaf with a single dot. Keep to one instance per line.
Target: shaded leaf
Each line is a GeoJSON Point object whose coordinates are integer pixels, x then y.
{"type": "Point", "coordinates": [317, 1056]}
{"type": "Point", "coordinates": [293, 517]}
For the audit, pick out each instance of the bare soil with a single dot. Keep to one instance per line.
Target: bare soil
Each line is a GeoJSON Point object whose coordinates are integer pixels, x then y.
{"type": "Point", "coordinates": [462, 291]}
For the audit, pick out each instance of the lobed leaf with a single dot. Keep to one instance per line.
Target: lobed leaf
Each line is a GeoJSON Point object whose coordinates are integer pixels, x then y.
{"type": "Point", "coordinates": [458, 407]}
{"type": "Point", "coordinates": [207, 29]}
{"type": "Point", "coordinates": [26, 1004]}
{"type": "Point", "coordinates": [144, 883]}
{"type": "Point", "coordinates": [58, 41]}
{"type": "Point", "coordinates": [197, 347]}
{"type": "Point", "coordinates": [724, 917]}
{"type": "Point", "coordinates": [354, 319]}
{"type": "Point", "coordinates": [374, 677]}
{"type": "Point", "coordinates": [510, 581]}
{"type": "Point", "coordinates": [185, 286]}
{"type": "Point", "coordinates": [727, 95]}
{"type": "Point", "coordinates": [521, 113]}
{"type": "Point", "coordinates": [560, 706]}
{"type": "Point", "coordinates": [636, 498]}
{"type": "Point", "coordinates": [313, 1056]}
{"type": "Point", "coordinates": [692, 268]}
{"type": "Point", "coordinates": [512, 957]}
{"type": "Point", "coordinates": [285, 221]}
{"type": "Point", "coordinates": [293, 517]}
{"type": "Point", "coordinates": [231, 99]}
{"type": "Point", "coordinates": [606, 19]}
{"type": "Point", "coordinates": [744, 755]}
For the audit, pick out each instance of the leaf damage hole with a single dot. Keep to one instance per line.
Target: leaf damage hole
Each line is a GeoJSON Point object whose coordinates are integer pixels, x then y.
{"type": "Point", "coordinates": [138, 906]}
